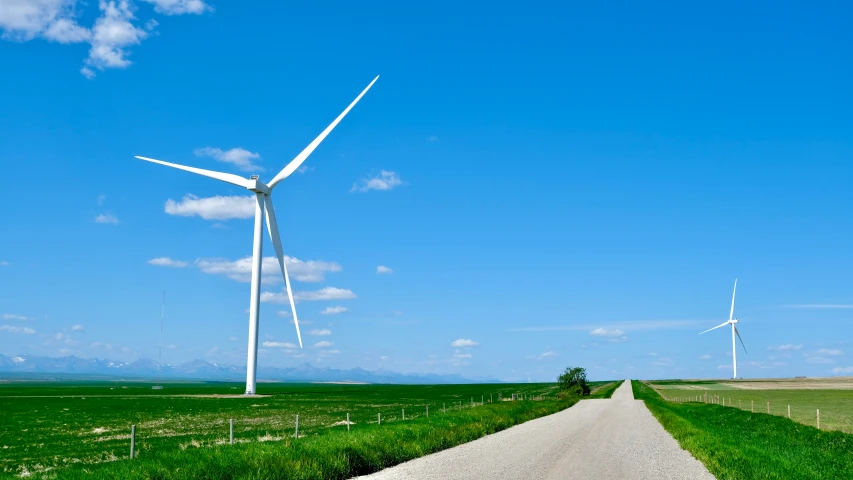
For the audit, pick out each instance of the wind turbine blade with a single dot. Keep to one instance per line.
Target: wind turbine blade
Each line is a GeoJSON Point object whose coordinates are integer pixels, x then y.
{"type": "Point", "coordinates": [732, 311]}
{"type": "Point", "coordinates": [296, 162]}
{"type": "Point", "coordinates": [718, 326]}
{"type": "Point", "coordinates": [224, 177]}
{"type": "Point", "coordinates": [272, 227]}
{"type": "Point", "coordinates": [741, 340]}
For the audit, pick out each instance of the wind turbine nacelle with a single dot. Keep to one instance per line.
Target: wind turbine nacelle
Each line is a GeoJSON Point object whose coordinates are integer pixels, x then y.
{"type": "Point", "coordinates": [258, 186]}
{"type": "Point", "coordinates": [734, 321]}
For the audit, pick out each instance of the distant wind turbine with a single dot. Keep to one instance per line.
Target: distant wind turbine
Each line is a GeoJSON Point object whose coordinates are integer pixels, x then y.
{"type": "Point", "coordinates": [264, 206]}
{"type": "Point", "coordinates": [734, 332]}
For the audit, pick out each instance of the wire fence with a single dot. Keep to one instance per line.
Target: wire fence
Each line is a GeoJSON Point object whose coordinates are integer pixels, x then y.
{"type": "Point", "coordinates": [833, 418]}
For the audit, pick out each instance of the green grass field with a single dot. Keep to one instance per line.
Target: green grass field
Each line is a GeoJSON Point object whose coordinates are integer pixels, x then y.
{"type": "Point", "coordinates": [836, 406]}
{"type": "Point", "coordinates": [50, 429]}
{"type": "Point", "coordinates": [737, 444]}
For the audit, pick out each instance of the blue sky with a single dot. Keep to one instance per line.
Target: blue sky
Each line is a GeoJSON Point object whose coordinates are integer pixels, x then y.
{"type": "Point", "coordinates": [553, 185]}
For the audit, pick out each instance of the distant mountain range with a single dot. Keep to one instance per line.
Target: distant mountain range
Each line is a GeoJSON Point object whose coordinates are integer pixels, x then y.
{"type": "Point", "coordinates": [22, 366]}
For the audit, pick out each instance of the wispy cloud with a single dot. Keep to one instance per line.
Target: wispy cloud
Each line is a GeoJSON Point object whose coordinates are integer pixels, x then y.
{"type": "Point", "coordinates": [840, 370]}
{"type": "Point", "coordinates": [167, 262]}
{"type": "Point", "coordinates": [239, 157]}
{"type": "Point", "coordinates": [544, 356]}
{"type": "Point", "coordinates": [114, 31]}
{"type": "Point", "coordinates": [705, 357]}
{"type": "Point", "coordinates": [464, 343]}
{"type": "Point", "coordinates": [320, 332]}
{"type": "Point", "coordinates": [625, 326]}
{"type": "Point", "coordinates": [15, 329]}
{"type": "Point", "coordinates": [106, 218]}
{"type": "Point", "coordinates": [829, 352]}
{"type": "Point", "coordinates": [213, 208]}
{"type": "Point", "coordinates": [78, 328]}
{"type": "Point", "coordinates": [785, 348]}
{"type": "Point", "coordinates": [333, 310]}
{"type": "Point", "coordinates": [819, 360]}
{"type": "Point", "coordinates": [383, 181]}
{"type": "Point", "coordinates": [821, 306]}
{"type": "Point", "coordinates": [604, 332]}
{"type": "Point", "coordinates": [12, 316]}
{"type": "Point", "coordinates": [241, 270]}
{"type": "Point", "coordinates": [326, 293]}
{"type": "Point", "coordinates": [323, 344]}
{"type": "Point", "coordinates": [287, 345]}
{"type": "Point", "coordinates": [383, 270]}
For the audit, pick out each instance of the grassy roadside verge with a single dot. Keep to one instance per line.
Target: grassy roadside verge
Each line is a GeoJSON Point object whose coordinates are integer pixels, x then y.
{"type": "Point", "coordinates": [606, 390]}
{"type": "Point", "coordinates": [736, 444]}
{"type": "Point", "coordinates": [335, 455]}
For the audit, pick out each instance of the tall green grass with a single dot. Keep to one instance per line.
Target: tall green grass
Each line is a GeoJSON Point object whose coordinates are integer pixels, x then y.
{"type": "Point", "coordinates": [737, 444]}
{"type": "Point", "coordinates": [334, 455]}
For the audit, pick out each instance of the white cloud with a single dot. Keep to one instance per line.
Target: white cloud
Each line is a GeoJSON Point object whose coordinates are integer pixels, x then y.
{"type": "Point", "coordinates": [329, 352]}
{"type": "Point", "coordinates": [106, 218]}
{"type": "Point", "coordinates": [287, 345]}
{"type": "Point", "coordinates": [785, 348]}
{"type": "Point", "coordinates": [604, 332]}
{"type": "Point", "coordinates": [626, 326]}
{"type": "Point", "coordinates": [14, 329]}
{"type": "Point", "coordinates": [829, 352]}
{"type": "Point", "coordinates": [23, 20]}
{"type": "Point", "coordinates": [239, 157]}
{"type": "Point", "coordinates": [179, 7]}
{"type": "Point", "coordinates": [333, 310]}
{"type": "Point", "coordinates": [18, 360]}
{"type": "Point", "coordinates": [78, 328]}
{"type": "Point", "coordinates": [543, 356]}
{"type": "Point", "coordinates": [323, 344]}
{"type": "Point", "coordinates": [464, 343]}
{"type": "Point", "coordinates": [233, 339]}
{"type": "Point", "coordinates": [167, 262]}
{"type": "Point", "coordinates": [213, 208]}
{"type": "Point", "coordinates": [320, 332]}
{"type": "Point", "coordinates": [835, 306]}
{"type": "Point", "coordinates": [113, 32]}
{"type": "Point", "coordinates": [838, 370]}
{"type": "Point", "coordinates": [241, 270]}
{"type": "Point", "coordinates": [383, 357]}
{"type": "Point", "coordinates": [705, 357]}
{"type": "Point", "coordinates": [383, 270]}
{"type": "Point", "coordinates": [326, 293]}
{"type": "Point", "coordinates": [385, 180]}
{"type": "Point", "coordinates": [819, 360]}
{"type": "Point", "coordinates": [12, 316]}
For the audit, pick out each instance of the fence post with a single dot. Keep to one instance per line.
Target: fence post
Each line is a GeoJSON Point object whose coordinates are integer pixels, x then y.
{"type": "Point", "coordinates": [297, 425]}
{"type": "Point", "coordinates": [231, 432]}
{"type": "Point", "coordinates": [348, 421]}
{"type": "Point", "coordinates": [482, 399]}
{"type": "Point", "coordinates": [768, 407]}
{"type": "Point", "coordinates": [379, 419]}
{"type": "Point", "coordinates": [818, 419]}
{"type": "Point", "coordinates": [490, 398]}
{"type": "Point", "coordinates": [132, 439]}
{"type": "Point", "coordinates": [752, 406]}
{"type": "Point", "coordinates": [789, 411]}
{"type": "Point", "coordinates": [427, 410]}
{"type": "Point", "coordinates": [404, 414]}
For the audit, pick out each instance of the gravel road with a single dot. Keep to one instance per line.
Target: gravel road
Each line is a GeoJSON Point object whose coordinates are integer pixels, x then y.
{"type": "Point", "coordinates": [617, 438]}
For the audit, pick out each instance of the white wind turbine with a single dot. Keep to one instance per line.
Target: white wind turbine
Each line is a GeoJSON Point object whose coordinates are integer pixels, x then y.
{"type": "Point", "coordinates": [734, 332]}
{"type": "Point", "coordinates": [264, 205]}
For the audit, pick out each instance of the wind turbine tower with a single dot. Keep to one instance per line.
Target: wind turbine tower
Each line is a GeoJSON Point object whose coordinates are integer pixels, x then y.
{"type": "Point", "coordinates": [264, 210]}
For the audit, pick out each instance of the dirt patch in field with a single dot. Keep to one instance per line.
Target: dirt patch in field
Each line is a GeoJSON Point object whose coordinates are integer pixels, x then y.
{"type": "Point", "coordinates": [804, 384]}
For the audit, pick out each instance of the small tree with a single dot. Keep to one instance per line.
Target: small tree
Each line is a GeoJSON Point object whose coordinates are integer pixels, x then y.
{"type": "Point", "coordinates": [573, 382]}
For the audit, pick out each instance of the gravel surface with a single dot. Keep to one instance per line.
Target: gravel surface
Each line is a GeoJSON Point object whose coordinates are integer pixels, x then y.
{"type": "Point", "coordinates": [617, 438]}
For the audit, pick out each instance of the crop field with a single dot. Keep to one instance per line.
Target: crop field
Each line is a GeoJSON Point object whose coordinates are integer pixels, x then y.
{"type": "Point", "coordinates": [833, 397]}
{"type": "Point", "coordinates": [737, 444]}
{"type": "Point", "coordinates": [51, 427]}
